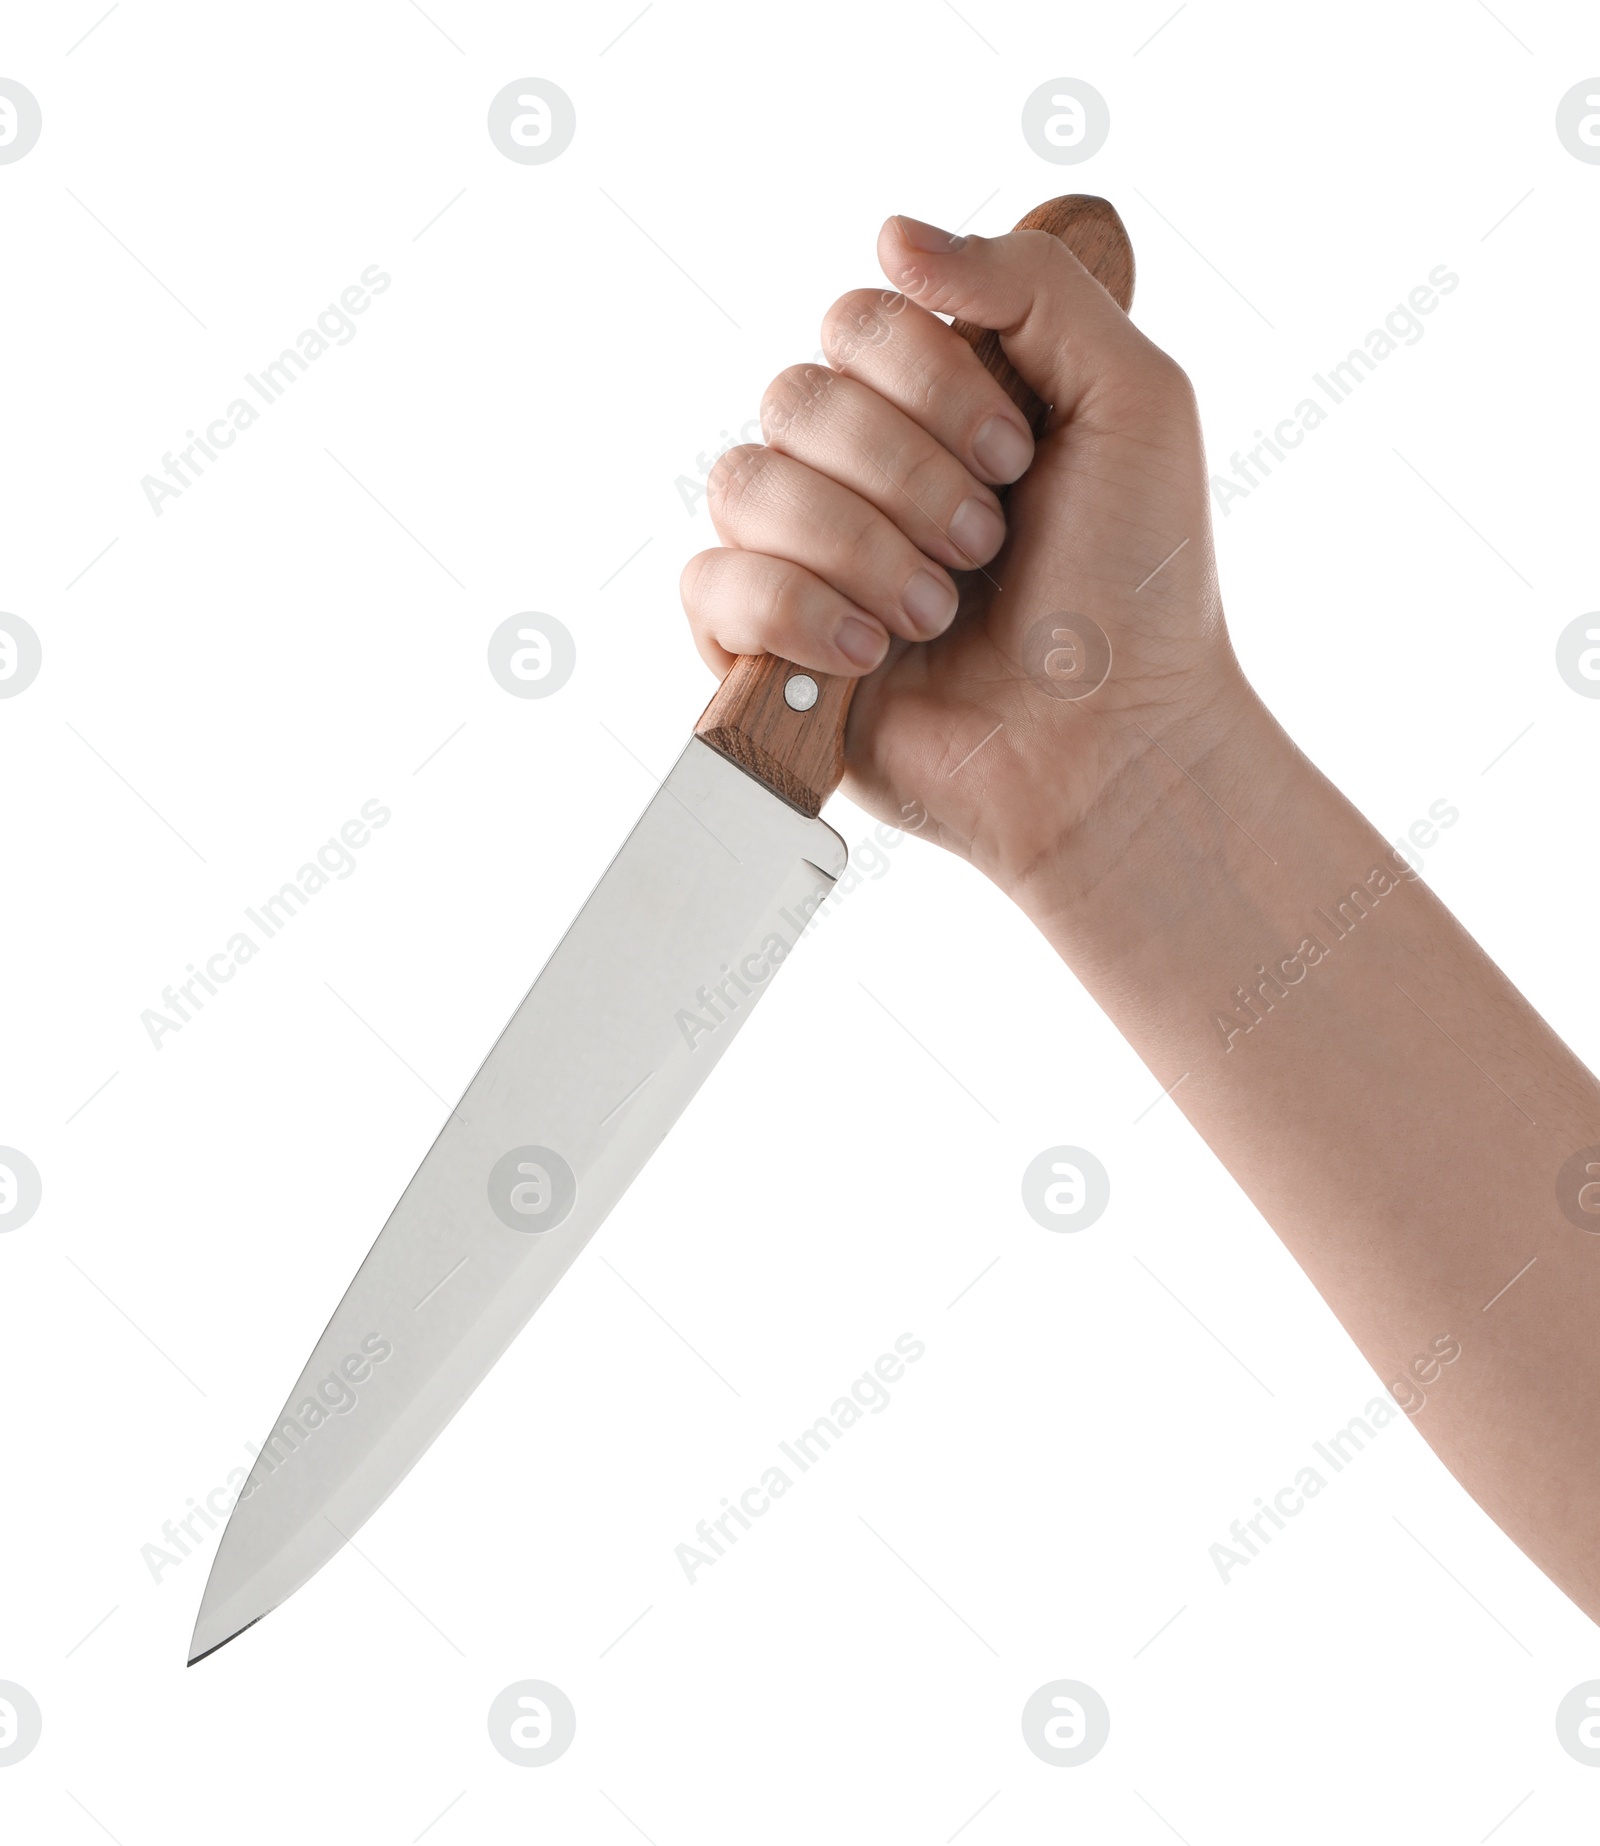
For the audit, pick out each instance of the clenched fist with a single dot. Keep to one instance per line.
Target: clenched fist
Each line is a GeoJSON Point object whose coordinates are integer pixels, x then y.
{"type": "Point", "coordinates": [866, 537]}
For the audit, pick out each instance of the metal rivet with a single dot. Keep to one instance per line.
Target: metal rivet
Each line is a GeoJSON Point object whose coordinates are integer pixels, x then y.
{"type": "Point", "coordinates": [800, 692]}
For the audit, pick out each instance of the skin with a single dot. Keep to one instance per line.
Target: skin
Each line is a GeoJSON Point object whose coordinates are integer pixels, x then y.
{"type": "Point", "coordinates": [1396, 1110]}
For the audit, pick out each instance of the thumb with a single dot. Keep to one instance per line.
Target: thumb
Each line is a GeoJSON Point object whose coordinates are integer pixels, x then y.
{"type": "Point", "coordinates": [1059, 328]}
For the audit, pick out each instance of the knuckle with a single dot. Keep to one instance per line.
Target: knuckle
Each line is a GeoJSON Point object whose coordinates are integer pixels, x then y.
{"type": "Point", "coordinates": [734, 476]}
{"type": "Point", "coordinates": [1046, 261]}
{"type": "Point", "coordinates": [939, 297]}
{"type": "Point", "coordinates": [695, 580]}
{"type": "Point", "coordinates": [924, 383]}
{"type": "Point", "coordinates": [862, 319]}
{"type": "Point", "coordinates": [861, 531]}
{"type": "Point", "coordinates": [1179, 383]}
{"type": "Point", "coordinates": [795, 602]}
{"type": "Point", "coordinates": [925, 475]}
{"type": "Point", "coordinates": [1038, 246]}
{"type": "Point", "coordinates": [1160, 370]}
{"type": "Point", "coordinates": [794, 394]}
{"type": "Point", "coordinates": [1159, 385]}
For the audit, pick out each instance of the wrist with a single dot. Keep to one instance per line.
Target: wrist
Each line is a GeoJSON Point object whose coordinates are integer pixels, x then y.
{"type": "Point", "coordinates": [1185, 805]}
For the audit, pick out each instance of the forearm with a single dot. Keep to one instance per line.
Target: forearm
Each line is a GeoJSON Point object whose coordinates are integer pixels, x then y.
{"type": "Point", "coordinates": [1393, 1106]}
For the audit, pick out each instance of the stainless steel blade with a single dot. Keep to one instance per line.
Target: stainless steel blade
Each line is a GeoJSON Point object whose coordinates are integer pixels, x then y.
{"type": "Point", "coordinates": [642, 997]}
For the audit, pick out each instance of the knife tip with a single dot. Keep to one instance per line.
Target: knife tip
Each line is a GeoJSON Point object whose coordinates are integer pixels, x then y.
{"type": "Point", "coordinates": [205, 1654]}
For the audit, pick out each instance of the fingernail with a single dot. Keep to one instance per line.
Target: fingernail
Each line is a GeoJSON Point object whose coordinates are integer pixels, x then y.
{"type": "Point", "coordinates": [977, 528]}
{"type": "Point", "coordinates": [862, 643]}
{"type": "Point", "coordinates": [930, 602]}
{"type": "Point", "coordinates": [928, 237]}
{"type": "Point", "coordinates": [1001, 449]}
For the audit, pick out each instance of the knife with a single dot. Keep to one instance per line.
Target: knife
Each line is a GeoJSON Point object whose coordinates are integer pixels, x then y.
{"type": "Point", "coordinates": [707, 897]}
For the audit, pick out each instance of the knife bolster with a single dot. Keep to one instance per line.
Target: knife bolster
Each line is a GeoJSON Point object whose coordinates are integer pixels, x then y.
{"type": "Point", "coordinates": [796, 753]}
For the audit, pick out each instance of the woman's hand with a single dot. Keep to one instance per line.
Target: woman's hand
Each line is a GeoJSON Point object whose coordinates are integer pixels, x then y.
{"type": "Point", "coordinates": [870, 512]}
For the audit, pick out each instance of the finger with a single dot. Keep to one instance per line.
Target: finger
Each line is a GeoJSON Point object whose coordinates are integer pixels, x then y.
{"type": "Point", "coordinates": [1059, 327]}
{"type": "Point", "coordinates": [840, 428]}
{"type": "Point", "coordinates": [927, 371]}
{"type": "Point", "coordinates": [743, 602]}
{"type": "Point", "coordinates": [764, 500]}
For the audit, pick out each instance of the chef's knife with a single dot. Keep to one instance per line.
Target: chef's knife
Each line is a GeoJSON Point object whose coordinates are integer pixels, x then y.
{"type": "Point", "coordinates": [709, 894]}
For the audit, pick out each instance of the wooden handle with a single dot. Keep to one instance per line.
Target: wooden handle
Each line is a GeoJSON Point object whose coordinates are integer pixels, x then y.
{"type": "Point", "coordinates": [785, 725]}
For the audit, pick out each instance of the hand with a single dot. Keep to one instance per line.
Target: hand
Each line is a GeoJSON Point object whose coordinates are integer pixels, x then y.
{"type": "Point", "coordinates": [1373, 1082]}
{"type": "Point", "coordinates": [876, 483]}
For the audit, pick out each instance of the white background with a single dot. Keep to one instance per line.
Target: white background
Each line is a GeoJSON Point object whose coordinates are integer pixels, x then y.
{"type": "Point", "coordinates": [275, 649]}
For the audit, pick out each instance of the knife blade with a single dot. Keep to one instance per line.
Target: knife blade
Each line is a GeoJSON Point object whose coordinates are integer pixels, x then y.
{"type": "Point", "coordinates": [705, 900]}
